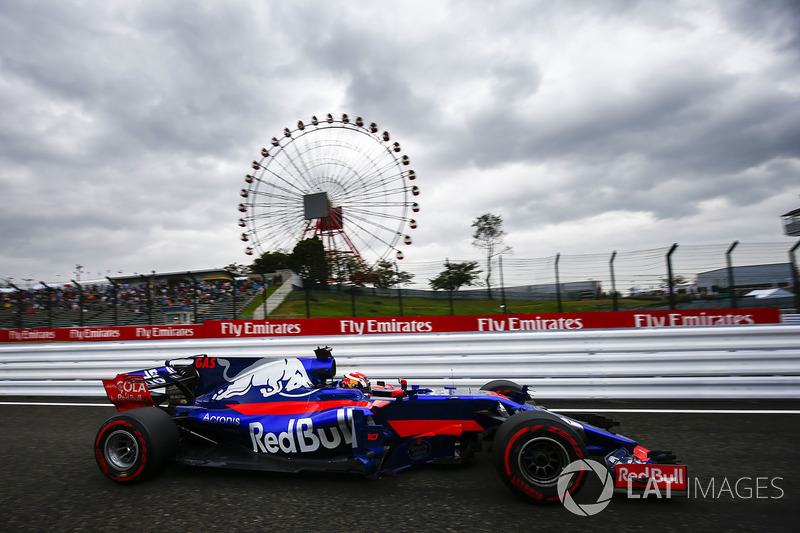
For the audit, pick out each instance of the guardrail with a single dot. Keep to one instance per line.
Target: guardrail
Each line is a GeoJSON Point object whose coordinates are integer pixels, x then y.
{"type": "Point", "coordinates": [748, 362]}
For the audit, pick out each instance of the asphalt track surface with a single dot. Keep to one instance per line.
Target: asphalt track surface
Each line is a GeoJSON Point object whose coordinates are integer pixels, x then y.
{"type": "Point", "coordinates": [49, 481]}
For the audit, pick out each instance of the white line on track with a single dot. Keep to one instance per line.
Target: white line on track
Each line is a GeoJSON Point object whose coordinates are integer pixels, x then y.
{"type": "Point", "coordinates": [570, 410]}
{"type": "Point", "coordinates": [58, 404]}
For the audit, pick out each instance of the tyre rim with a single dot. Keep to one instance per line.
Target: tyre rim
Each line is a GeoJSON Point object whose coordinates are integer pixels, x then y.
{"type": "Point", "coordinates": [541, 460]}
{"type": "Point", "coordinates": [121, 450]}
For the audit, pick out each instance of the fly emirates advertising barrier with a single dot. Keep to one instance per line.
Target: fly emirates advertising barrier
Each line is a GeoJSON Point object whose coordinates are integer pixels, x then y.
{"type": "Point", "coordinates": [222, 329]}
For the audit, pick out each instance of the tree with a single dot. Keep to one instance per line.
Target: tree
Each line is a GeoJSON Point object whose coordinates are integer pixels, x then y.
{"type": "Point", "coordinates": [676, 280]}
{"type": "Point", "coordinates": [346, 269]}
{"type": "Point", "coordinates": [309, 261]}
{"type": "Point", "coordinates": [384, 276]}
{"type": "Point", "coordinates": [236, 268]}
{"type": "Point", "coordinates": [270, 262]}
{"type": "Point", "coordinates": [489, 237]}
{"type": "Point", "coordinates": [456, 275]}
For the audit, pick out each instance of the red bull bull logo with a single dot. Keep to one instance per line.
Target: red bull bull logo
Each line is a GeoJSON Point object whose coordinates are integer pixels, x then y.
{"type": "Point", "coordinates": [287, 377]}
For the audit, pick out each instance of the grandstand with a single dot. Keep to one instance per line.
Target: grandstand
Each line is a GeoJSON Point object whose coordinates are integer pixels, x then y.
{"type": "Point", "coordinates": [167, 298]}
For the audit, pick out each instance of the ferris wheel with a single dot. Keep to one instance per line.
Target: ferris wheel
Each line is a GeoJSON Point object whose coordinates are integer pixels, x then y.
{"type": "Point", "coordinates": [336, 179]}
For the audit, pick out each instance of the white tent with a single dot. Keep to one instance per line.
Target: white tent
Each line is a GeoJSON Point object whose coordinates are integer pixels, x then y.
{"type": "Point", "coordinates": [769, 293]}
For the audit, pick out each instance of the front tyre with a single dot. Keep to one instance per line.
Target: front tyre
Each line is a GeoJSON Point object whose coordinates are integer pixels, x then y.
{"type": "Point", "coordinates": [531, 449]}
{"type": "Point", "coordinates": [133, 446]}
{"type": "Point", "coordinates": [503, 386]}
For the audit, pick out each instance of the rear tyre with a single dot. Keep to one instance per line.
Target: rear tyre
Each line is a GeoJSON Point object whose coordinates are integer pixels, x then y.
{"type": "Point", "coordinates": [133, 446]}
{"type": "Point", "coordinates": [531, 449]}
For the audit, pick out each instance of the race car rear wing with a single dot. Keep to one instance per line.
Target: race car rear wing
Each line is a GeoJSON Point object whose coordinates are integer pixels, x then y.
{"type": "Point", "coordinates": [180, 381]}
{"type": "Point", "coordinates": [166, 386]}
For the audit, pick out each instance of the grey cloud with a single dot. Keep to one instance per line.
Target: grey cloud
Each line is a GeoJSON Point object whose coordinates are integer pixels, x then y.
{"type": "Point", "coordinates": [127, 127]}
{"type": "Point", "coordinates": [777, 22]}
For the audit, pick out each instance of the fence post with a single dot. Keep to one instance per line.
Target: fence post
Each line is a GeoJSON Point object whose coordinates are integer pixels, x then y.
{"type": "Point", "coordinates": [613, 281]}
{"type": "Point", "coordinates": [793, 261]}
{"type": "Point", "coordinates": [449, 291]}
{"type": "Point", "coordinates": [731, 281]}
{"type": "Point", "coordinates": [194, 296]}
{"type": "Point", "coordinates": [502, 287]}
{"type": "Point", "coordinates": [308, 297]}
{"type": "Point", "coordinates": [351, 279]}
{"type": "Point", "coordinates": [149, 299]}
{"type": "Point", "coordinates": [80, 302]}
{"type": "Point", "coordinates": [670, 281]}
{"type": "Point", "coordinates": [49, 305]}
{"type": "Point", "coordinates": [19, 304]}
{"type": "Point", "coordinates": [558, 283]}
{"type": "Point", "coordinates": [400, 298]}
{"type": "Point", "coordinates": [399, 289]}
{"type": "Point", "coordinates": [116, 297]}
{"type": "Point", "coordinates": [264, 294]}
{"type": "Point", "coordinates": [234, 314]}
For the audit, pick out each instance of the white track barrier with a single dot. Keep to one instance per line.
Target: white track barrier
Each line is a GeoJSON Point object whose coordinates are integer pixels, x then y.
{"type": "Point", "coordinates": [744, 362]}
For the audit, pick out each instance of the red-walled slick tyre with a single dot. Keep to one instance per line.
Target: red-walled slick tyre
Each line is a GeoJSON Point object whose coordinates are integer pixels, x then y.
{"type": "Point", "coordinates": [503, 386]}
{"type": "Point", "coordinates": [133, 446]}
{"type": "Point", "coordinates": [531, 449]}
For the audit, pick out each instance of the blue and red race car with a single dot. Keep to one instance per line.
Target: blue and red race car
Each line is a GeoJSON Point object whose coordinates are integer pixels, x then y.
{"type": "Point", "coordinates": [292, 415]}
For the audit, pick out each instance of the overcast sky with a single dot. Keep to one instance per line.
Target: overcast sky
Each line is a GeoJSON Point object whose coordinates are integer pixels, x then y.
{"type": "Point", "coordinates": [126, 128]}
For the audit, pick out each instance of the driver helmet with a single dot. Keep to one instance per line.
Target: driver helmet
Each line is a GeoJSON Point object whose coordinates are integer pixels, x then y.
{"type": "Point", "coordinates": [355, 380]}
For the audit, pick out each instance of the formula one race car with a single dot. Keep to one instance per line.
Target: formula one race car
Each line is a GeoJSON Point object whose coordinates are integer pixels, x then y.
{"type": "Point", "coordinates": [291, 415]}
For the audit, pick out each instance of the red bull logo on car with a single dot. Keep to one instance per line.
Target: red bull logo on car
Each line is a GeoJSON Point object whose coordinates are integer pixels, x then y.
{"type": "Point", "coordinates": [287, 377]}
{"type": "Point", "coordinates": [647, 475]}
{"type": "Point", "coordinates": [302, 437]}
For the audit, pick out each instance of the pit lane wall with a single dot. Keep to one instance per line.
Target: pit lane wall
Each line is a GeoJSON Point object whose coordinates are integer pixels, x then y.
{"type": "Point", "coordinates": [228, 329]}
{"type": "Point", "coordinates": [669, 360]}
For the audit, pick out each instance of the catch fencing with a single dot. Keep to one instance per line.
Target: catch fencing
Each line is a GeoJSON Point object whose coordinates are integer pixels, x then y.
{"type": "Point", "coordinates": [674, 277]}
{"type": "Point", "coordinates": [730, 362]}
